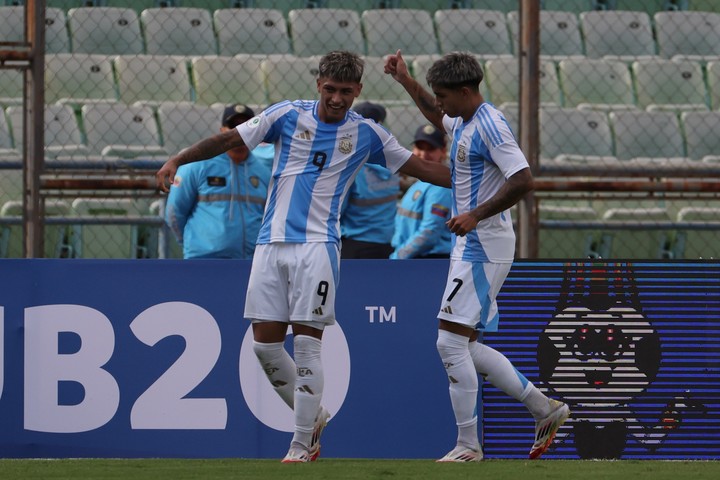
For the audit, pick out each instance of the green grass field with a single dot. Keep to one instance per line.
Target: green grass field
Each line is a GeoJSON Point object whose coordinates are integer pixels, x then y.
{"type": "Point", "coordinates": [174, 469]}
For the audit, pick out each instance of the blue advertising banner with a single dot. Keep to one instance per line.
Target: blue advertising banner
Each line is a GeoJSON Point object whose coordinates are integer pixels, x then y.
{"type": "Point", "coordinates": [154, 359]}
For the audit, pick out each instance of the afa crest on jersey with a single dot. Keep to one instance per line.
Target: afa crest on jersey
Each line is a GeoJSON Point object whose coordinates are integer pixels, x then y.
{"type": "Point", "coordinates": [345, 146]}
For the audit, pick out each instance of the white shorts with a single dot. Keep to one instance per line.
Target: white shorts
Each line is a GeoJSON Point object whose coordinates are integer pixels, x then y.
{"type": "Point", "coordinates": [470, 293]}
{"type": "Point", "coordinates": [293, 282]}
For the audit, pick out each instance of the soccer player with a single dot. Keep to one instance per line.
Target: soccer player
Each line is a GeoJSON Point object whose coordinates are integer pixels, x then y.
{"type": "Point", "coordinates": [319, 148]}
{"type": "Point", "coordinates": [490, 175]}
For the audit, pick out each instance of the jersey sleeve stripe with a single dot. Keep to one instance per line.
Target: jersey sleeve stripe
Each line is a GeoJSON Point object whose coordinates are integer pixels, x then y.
{"type": "Point", "coordinates": [489, 127]}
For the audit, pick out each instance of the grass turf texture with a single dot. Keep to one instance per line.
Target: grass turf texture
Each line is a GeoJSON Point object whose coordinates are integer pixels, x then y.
{"type": "Point", "coordinates": [175, 469]}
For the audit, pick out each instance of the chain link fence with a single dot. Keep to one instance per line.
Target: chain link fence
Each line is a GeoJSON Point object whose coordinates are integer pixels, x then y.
{"type": "Point", "coordinates": [629, 90]}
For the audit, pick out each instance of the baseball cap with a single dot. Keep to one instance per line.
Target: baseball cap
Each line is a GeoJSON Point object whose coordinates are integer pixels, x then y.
{"type": "Point", "coordinates": [428, 133]}
{"type": "Point", "coordinates": [239, 110]}
{"type": "Point", "coordinates": [371, 110]}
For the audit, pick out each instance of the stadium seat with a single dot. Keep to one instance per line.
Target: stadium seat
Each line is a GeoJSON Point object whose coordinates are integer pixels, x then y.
{"type": "Point", "coordinates": [482, 32]}
{"type": "Point", "coordinates": [503, 79]}
{"type": "Point", "coordinates": [698, 243]}
{"type": "Point", "coordinates": [704, 5]}
{"type": "Point", "coordinates": [641, 134]}
{"type": "Point", "coordinates": [12, 28]}
{"type": "Point", "coordinates": [559, 34]}
{"type": "Point", "coordinates": [572, 242]}
{"type": "Point", "coordinates": [406, 29]}
{"type": "Point", "coordinates": [648, 6]}
{"type": "Point", "coordinates": [290, 78]}
{"type": "Point", "coordinates": [152, 79]}
{"type": "Point", "coordinates": [228, 80]}
{"type": "Point", "coordinates": [11, 184]}
{"type": "Point", "coordinates": [713, 77]}
{"type": "Point", "coordinates": [621, 35]}
{"type": "Point", "coordinates": [6, 139]}
{"type": "Point", "coordinates": [632, 241]}
{"type": "Point", "coordinates": [62, 132]}
{"type": "Point", "coordinates": [79, 78]}
{"type": "Point", "coordinates": [251, 30]}
{"type": "Point", "coordinates": [573, 6]}
{"type": "Point", "coordinates": [504, 6]}
{"type": "Point", "coordinates": [422, 63]}
{"type": "Point", "coordinates": [669, 85]}
{"type": "Point", "coordinates": [596, 84]}
{"type": "Point", "coordinates": [571, 135]}
{"type": "Point", "coordinates": [701, 135]}
{"type": "Point", "coordinates": [186, 123]}
{"type": "Point", "coordinates": [167, 244]}
{"type": "Point", "coordinates": [105, 240]}
{"type": "Point", "coordinates": [316, 31]}
{"type": "Point", "coordinates": [694, 35]}
{"type": "Point", "coordinates": [378, 86]}
{"type": "Point", "coordinates": [56, 237]}
{"type": "Point", "coordinates": [402, 121]}
{"type": "Point", "coordinates": [511, 112]}
{"type": "Point", "coordinates": [178, 31]}
{"type": "Point", "coordinates": [11, 87]}
{"type": "Point", "coordinates": [105, 30]}
{"type": "Point", "coordinates": [121, 130]}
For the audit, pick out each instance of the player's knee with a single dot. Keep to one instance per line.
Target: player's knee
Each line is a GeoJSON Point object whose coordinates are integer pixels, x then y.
{"type": "Point", "coordinates": [267, 353]}
{"type": "Point", "coordinates": [306, 348]}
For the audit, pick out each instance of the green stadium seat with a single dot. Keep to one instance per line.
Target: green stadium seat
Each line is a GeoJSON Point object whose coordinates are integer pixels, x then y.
{"type": "Point", "coordinates": [701, 135]}
{"type": "Point", "coordinates": [704, 5]}
{"type": "Point", "coordinates": [107, 239]}
{"type": "Point", "coordinates": [403, 121]}
{"type": "Point", "coordinates": [693, 35]}
{"type": "Point", "coordinates": [152, 79]}
{"type": "Point", "coordinates": [229, 80]}
{"type": "Point", "coordinates": [183, 124]}
{"type": "Point", "coordinates": [105, 30]}
{"type": "Point", "coordinates": [641, 134]}
{"type": "Point", "coordinates": [633, 241]}
{"type": "Point", "coordinates": [11, 87]}
{"type": "Point", "coordinates": [62, 131]}
{"type": "Point", "coordinates": [290, 78]}
{"type": "Point", "coordinates": [559, 34]}
{"type": "Point", "coordinates": [409, 30]}
{"type": "Point", "coordinates": [505, 6]}
{"type": "Point", "coordinates": [482, 32]}
{"type": "Point", "coordinates": [713, 78]}
{"type": "Point", "coordinates": [7, 148]}
{"type": "Point", "coordinates": [56, 237]}
{"type": "Point", "coordinates": [596, 84]}
{"type": "Point", "coordinates": [698, 243]}
{"type": "Point", "coordinates": [316, 31]}
{"type": "Point", "coordinates": [572, 136]}
{"type": "Point", "coordinates": [251, 31]}
{"type": "Point", "coordinates": [670, 85]}
{"type": "Point", "coordinates": [573, 242]}
{"type": "Point", "coordinates": [79, 78]}
{"type": "Point", "coordinates": [503, 81]}
{"type": "Point", "coordinates": [648, 6]}
{"type": "Point", "coordinates": [379, 87]}
{"type": "Point", "coordinates": [617, 34]}
{"type": "Point", "coordinates": [12, 28]}
{"type": "Point", "coordinates": [116, 129]}
{"type": "Point", "coordinates": [178, 31]}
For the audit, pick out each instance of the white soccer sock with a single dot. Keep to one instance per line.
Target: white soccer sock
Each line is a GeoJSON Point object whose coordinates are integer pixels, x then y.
{"type": "Point", "coordinates": [498, 370]}
{"type": "Point", "coordinates": [279, 368]}
{"type": "Point", "coordinates": [309, 385]}
{"type": "Point", "coordinates": [454, 352]}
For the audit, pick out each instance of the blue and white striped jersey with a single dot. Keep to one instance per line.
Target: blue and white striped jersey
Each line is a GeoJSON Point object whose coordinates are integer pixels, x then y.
{"type": "Point", "coordinates": [315, 163]}
{"type": "Point", "coordinates": [483, 155]}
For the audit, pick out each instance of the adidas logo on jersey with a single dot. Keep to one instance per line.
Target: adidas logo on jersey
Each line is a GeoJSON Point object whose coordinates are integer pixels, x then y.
{"type": "Point", "coordinates": [304, 135]}
{"type": "Point", "coordinates": [318, 311]}
{"type": "Point", "coordinates": [447, 310]}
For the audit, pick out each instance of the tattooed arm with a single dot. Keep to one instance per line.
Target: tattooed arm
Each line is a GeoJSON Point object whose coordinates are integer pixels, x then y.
{"type": "Point", "coordinates": [202, 150]}
{"type": "Point", "coordinates": [396, 67]}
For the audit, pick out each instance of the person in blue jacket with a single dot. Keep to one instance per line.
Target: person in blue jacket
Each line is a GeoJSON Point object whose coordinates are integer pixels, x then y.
{"type": "Point", "coordinates": [215, 208]}
{"type": "Point", "coordinates": [368, 219]}
{"type": "Point", "coordinates": [420, 229]}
